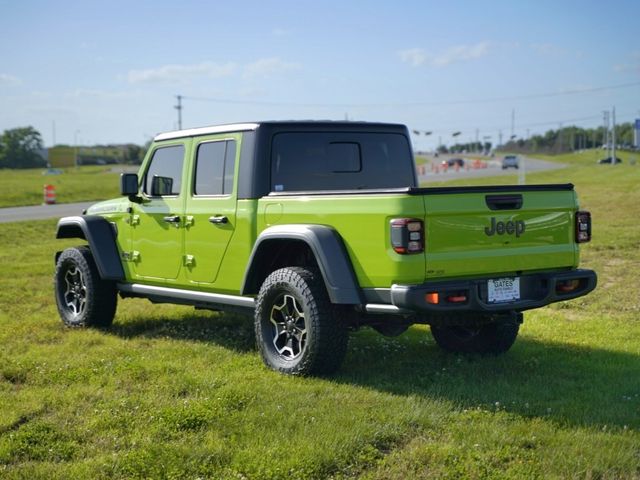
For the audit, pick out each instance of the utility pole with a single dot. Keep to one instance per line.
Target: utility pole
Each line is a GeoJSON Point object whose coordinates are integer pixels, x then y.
{"type": "Point", "coordinates": [179, 108]}
{"type": "Point", "coordinates": [499, 138]}
{"type": "Point", "coordinates": [613, 135]}
{"type": "Point", "coordinates": [605, 133]}
{"type": "Point", "coordinates": [513, 122]}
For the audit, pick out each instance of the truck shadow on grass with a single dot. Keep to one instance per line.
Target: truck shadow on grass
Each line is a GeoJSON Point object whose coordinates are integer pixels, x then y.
{"type": "Point", "coordinates": [564, 383]}
{"type": "Point", "coordinates": [231, 331]}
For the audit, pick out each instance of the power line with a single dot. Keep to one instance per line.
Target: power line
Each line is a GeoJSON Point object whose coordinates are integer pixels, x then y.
{"type": "Point", "coordinates": [532, 96]}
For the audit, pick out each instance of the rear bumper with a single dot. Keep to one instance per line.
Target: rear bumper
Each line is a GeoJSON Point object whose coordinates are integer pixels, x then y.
{"type": "Point", "coordinates": [536, 290]}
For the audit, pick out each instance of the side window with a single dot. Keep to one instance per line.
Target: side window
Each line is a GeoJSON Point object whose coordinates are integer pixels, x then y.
{"type": "Point", "coordinates": [339, 161]}
{"type": "Point", "coordinates": [164, 175]}
{"type": "Point", "coordinates": [215, 164]}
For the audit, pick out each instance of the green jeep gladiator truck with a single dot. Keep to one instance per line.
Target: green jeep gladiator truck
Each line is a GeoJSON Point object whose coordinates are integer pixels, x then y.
{"type": "Point", "coordinates": [317, 228]}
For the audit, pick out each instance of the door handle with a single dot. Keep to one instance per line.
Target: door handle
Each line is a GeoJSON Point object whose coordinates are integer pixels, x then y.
{"type": "Point", "coordinates": [175, 219]}
{"type": "Point", "coordinates": [219, 219]}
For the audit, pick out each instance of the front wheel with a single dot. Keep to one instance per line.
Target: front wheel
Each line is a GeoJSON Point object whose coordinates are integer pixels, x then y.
{"type": "Point", "coordinates": [298, 330]}
{"type": "Point", "coordinates": [490, 338]}
{"type": "Point", "coordinates": [83, 298]}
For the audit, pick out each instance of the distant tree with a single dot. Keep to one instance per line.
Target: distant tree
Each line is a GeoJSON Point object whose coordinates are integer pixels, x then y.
{"type": "Point", "coordinates": [133, 154]}
{"type": "Point", "coordinates": [19, 148]}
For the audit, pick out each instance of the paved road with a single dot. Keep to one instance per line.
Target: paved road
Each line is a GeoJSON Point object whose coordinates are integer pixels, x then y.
{"type": "Point", "coordinates": [40, 212]}
{"type": "Point", "coordinates": [493, 169]}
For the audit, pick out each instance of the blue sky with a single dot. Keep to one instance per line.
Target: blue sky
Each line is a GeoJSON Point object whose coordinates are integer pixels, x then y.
{"type": "Point", "coordinates": [108, 72]}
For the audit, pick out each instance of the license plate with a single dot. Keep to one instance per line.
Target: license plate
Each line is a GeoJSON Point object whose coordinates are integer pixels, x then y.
{"type": "Point", "coordinates": [503, 290]}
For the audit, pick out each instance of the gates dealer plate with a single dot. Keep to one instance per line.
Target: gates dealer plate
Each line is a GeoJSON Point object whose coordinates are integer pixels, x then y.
{"type": "Point", "coordinates": [501, 290]}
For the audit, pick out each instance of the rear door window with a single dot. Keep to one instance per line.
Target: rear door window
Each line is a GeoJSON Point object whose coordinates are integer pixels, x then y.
{"type": "Point", "coordinates": [215, 164]}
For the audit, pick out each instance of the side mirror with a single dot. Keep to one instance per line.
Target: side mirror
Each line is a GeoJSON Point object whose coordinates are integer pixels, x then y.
{"type": "Point", "coordinates": [128, 184]}
{"type": "Point", "coordinates": [129, 187]}
{"type": "Point", "coordinates": [161, 186]}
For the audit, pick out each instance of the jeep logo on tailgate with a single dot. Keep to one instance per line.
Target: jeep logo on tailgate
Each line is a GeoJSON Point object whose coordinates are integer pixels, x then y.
{"type": "Point", "coordinates": [501, 228]}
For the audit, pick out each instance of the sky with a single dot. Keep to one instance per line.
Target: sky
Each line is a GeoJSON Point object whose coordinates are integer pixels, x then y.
{"type": "Point", "coordinates": [109, 72]}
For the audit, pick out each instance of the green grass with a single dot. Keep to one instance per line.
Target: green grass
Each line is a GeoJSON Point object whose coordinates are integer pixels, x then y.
{"type": "Point", "coordinates": [25, 187]}
{"type": "Point", "coordinates": [169, 392]}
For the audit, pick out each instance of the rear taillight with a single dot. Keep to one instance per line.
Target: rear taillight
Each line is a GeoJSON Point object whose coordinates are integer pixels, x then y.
{"type": "Point", "coordinates": [583, 227]}
{"type": "Point", "coordinates": [407, 235]}
{"type": "Point", "coordinates": [567, 286]}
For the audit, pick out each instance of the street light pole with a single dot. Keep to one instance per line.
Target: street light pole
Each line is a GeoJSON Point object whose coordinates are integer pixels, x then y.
{"type": "Point", "coordinates": [75, 145]}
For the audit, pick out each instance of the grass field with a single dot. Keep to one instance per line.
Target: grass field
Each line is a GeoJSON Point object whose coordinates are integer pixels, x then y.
{"type": "Point", "coordinates": [169, 392]}
{"type": "Point", "coordinates": [25, 187]}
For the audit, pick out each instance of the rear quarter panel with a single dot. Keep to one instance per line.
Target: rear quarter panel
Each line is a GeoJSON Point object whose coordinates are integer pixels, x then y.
{"type": "Point", "coordinates": [362, 220]}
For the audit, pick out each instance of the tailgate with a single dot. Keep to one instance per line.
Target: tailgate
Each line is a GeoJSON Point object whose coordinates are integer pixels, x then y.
{"type": "Point", "coordinates": [480, 231]}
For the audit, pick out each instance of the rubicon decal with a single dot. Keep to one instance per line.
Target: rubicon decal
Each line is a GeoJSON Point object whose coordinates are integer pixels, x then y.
{"type": "Point", "coordinates": [510, 227]}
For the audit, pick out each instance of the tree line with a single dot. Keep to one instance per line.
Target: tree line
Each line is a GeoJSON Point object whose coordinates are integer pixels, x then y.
{"type": "Point", "coordinates": [572, 138]}
{"type": "Point", "coordinates": [561, 140]}
{"type": "Point", "coordinates": [23, 147]}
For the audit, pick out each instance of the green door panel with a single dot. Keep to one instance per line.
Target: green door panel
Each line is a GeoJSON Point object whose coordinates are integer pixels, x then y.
{"type": "Point", "coordinates": [236, 257]}
{"type": "Point", "coordinates": [157, 243]}
{"type": "Point", "coordinates": [211, 205]}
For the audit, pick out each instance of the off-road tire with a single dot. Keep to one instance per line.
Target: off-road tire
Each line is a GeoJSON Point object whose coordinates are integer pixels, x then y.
{"type": "Point", "coordinates": [298, 330]}
{"type": "Point", "coordinates": [487, 339]}
{"type": "Point", "coordinates": [83, 298]}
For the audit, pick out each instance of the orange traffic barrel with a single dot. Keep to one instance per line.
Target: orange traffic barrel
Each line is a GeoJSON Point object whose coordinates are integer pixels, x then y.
{"type": "Point", "coordinates": [49, 194]}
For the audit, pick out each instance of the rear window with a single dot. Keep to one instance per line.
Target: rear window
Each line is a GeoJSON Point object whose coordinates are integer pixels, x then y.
{"type": "Point", "coordinates": [312, 161]}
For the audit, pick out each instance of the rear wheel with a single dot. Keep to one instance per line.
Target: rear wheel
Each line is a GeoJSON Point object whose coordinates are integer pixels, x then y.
{"type": "Point", "coordinates": [298, 331]}
{"type": "Point", "coordinates": [83, 298]}
{"type": "Point", "coordinates": [490, 338]}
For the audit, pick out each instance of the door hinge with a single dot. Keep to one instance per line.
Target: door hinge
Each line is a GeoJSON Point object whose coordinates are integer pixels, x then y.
{"type": "Point", "coordinates": [189, 260]}
{"type": "Point", "coordinates": [133, 220]}
{"type": "Point", "coordinates": [131, 256]}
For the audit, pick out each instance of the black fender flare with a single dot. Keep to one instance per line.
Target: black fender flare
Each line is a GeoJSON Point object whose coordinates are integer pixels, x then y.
{"type": "Point", "coordinates": [99, 233]}
{"type": "Point", "coordinates": [330, 254]}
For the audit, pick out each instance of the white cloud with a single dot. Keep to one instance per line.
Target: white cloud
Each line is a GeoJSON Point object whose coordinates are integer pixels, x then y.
{"type": "Point", "coordinates": [279, 32]}
{"type": "Point", "coordinates": [459, 53]}
{"type": "Point", "coordinates": [266, 67]}
{"type": "Point", "coordinates": [7, 80]}
{"type": "Point", "coordinates": [99, 94]}
{"type": "Point", "coordinates": [413, 56]}
{"type": "Point", "coordinates": [181, 73]}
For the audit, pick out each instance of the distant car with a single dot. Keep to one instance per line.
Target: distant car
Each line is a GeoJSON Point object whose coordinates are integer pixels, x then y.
{"type": "Point", "coordinates": [452, 162]}
{"type": "Point", "coordinates": [604, 161]}
{"type": "Point", "coordinates": [510, 161]}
